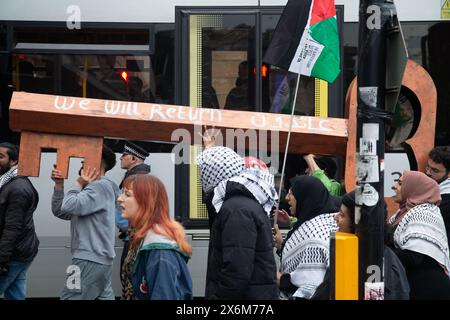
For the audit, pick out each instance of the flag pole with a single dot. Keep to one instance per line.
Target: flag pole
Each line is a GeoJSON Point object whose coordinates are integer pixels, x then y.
{"type": "Point", "coordinates": [286, 152]}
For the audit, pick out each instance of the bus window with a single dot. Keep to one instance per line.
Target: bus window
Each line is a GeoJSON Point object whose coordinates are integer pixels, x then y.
{"type": "Point", "coordinates": [278, 86]}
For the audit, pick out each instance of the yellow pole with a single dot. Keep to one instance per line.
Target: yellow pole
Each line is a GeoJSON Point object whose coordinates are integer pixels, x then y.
{"type": "Point", "coordinates": [345, 266]}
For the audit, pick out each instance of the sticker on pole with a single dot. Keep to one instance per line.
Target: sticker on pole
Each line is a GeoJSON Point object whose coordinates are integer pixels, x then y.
{"type": "Point", "coordinates": [367, 169]}
{"type": "Point", "coordinates": [367, 147]}
{"type": "Point", "coordinates": [368, 95]}
{"type": "Point", "coordinates": [374, 291]}
{"type": "Point", "coordinates": [371, 131]}
{"type": "Point", "coordinates": [367, 194]}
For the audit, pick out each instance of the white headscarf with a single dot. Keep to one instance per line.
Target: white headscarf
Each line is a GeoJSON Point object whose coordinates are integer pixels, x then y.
{"type": "Point", "coordinates": [260, 183]}
{"type": "Point", "coordinates": [422, 230]}
{"type": "Point", "coordinates": [218, 164]}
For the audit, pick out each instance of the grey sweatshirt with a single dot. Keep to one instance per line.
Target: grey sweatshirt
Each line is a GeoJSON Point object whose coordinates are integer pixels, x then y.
{"type": "Point", "coordinates": [91, 214]}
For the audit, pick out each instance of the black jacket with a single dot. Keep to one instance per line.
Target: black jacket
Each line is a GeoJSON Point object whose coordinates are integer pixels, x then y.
{"type": "Point", "coordinates": [241, 262]}
{"type": "Point", "coordinates": [426, 277]}
{"type": "Point", "coordinates": [18, 239]}
{"type": "Point", "coordinates": [445, 211]}
{"type": "Point", "coordinates": [141, 168]}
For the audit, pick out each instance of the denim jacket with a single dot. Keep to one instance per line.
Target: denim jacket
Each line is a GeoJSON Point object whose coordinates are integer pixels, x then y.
{"type": "Point", "coordinates": [160, 270]}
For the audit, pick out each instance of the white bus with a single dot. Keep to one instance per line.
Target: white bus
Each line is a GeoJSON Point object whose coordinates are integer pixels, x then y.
{"type": "Point", "coordinates": [185, 53]}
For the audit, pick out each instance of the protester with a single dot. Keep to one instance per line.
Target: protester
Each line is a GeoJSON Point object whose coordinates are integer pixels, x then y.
{"type": "Point", "coordinates": [89, 205]}
{"type": "Point", "coordinates": [305, 251]}
{"type": "Point", "coordinates": [396, 286]}
{"type": "Point", "coordinates": [419, 238]}
{"type": "Point", "coordinates": [132, 160]}
{"type": "Point", "coordinates": [324, 169]}
{"type": "Point", "coordinates": [160, 270]}
{"type": "Point", "coordinates": [18, 240]}
{"type": "Point", "coordinates": [241, 264]}
{"type": "Point", "coordinates": [438, 168]}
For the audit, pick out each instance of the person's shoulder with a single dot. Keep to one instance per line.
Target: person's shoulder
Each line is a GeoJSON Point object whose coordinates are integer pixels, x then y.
{"type": "Point", "coordinates": [241, 205]}
{"type": "Point", "coordinates": [19, 183]}
{"type": "Point", "coordinates": [104, 182]}
{"type": "Point", "coordinates": [163, 257]}
{"type": "Point", "coordinates": [424, 207]}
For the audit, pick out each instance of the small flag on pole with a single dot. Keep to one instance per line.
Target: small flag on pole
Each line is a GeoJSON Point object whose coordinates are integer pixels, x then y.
{"type": "Point", "coordinates": [306, 40]}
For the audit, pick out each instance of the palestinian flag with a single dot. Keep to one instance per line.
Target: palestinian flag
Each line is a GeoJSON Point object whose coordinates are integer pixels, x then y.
{"type": "Point", "coordinates": [306, 40]}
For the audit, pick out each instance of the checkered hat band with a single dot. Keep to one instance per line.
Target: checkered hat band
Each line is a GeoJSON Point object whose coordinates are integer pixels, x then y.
{"type": "Point", "coordinates": [134, 152]}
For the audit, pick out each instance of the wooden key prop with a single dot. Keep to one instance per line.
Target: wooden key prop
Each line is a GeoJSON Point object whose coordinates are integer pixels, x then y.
{"type": "Point", "coordinates": [76, 127]}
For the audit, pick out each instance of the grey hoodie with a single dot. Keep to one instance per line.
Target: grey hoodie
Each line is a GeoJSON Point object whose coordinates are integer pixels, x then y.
{"type": "Point", "coordinates": [91, 214]}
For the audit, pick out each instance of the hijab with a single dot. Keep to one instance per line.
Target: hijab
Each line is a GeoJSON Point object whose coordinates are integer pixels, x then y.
{"type": "Point", "coordinates": [313, 198]}
{"type": "Point", "coordinates": [417, 188]}
{"type": "Point", "coordinates": [349, 201]}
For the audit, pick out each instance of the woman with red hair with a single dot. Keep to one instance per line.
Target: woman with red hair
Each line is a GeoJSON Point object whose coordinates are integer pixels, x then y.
{"type": "Point", "coordinates": [160, 270]}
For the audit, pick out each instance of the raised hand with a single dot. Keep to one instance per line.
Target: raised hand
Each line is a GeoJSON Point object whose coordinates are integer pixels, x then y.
{"type": "Point", "coordinates": [87, 176]}
{"type": "Point", "coordinates": [283, 216]}
{"type": "Point", "coordinates": [209, 139]}
{"type": "Point", "coordinates": [57, 178]}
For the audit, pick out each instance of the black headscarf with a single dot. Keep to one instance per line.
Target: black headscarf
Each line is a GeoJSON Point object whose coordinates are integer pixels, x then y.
{"type": "Point", "coordinates": [348, 200]}
{"type": "Point", "coordinates": [313, 198]}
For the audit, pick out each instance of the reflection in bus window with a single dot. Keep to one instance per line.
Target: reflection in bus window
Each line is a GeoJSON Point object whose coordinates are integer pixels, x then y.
{"type": "Point", "coordinates": [238, 98]}
{"type": "Point", "coordinates": [225, 54]}
{"type": "Point", "coordinates": [282, 92]}
{"type": "Point", "coordinates": [133, 77]}
{"type": "Point", "coordinates": [143, 78]}
{"type": "Point", "coordinates": [279, 85]}
{"type": "Point", "coordinates": [402, 123]}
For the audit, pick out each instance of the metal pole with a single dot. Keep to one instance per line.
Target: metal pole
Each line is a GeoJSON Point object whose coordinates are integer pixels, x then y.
{"type": "Point", "coordinates": [286, 150]}
{"type": "Point", "coordinates": [370, 212]}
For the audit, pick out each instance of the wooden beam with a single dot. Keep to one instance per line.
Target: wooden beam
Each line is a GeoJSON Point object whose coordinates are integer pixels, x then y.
{"type": "Point", "coordinates": [147, 121]}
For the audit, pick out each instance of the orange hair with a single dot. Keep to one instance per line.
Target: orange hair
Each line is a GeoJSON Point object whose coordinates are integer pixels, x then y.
{"type": "Point", "coordinates": [153, 212]}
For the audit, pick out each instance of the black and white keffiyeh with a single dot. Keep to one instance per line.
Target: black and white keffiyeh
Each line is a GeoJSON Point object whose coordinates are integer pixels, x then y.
{"type": "Point", "coordinates": [422, 230]}
{"type": "Point", "coordinates": [444, 187]}
{"type": "Point", "coordinates": [10, 174]}
{"type": "Point", "coordinates": [218, 164]}
{"type": "Point", "coordinates": [306, 254]}
{"type": "Point", "coordinates": [258, 182]}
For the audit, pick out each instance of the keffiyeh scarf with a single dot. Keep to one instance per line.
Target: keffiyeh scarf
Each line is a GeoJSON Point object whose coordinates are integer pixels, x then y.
{"type": "Point", "coordinates": [218, 164]}
{"type": "Point", "coordinates": [259, 183]}
{"type": "Point", "coordinates": [10, 174]}
{"type": "Point", "coordinates": [422, 230]}
{"type": "Point", "coordinates": [306, 254]}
